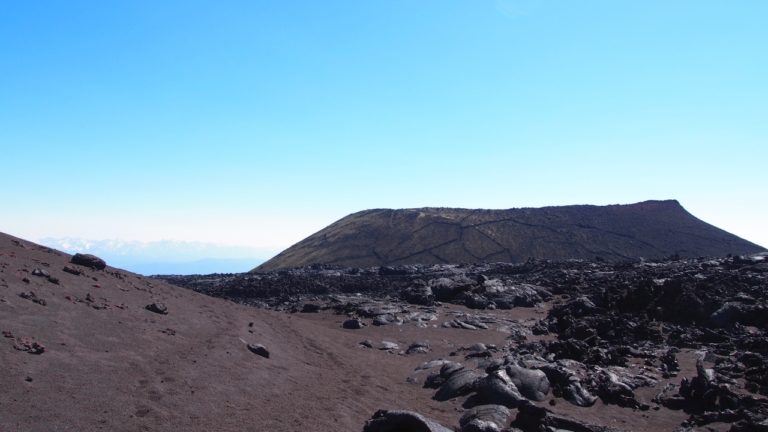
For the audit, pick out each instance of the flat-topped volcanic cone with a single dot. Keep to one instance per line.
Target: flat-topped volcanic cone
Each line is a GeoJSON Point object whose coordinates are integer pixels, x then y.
{"type": "Point", "coordinates": [381, 237]}
{"type": "Point", "coordinates": [80, 351]}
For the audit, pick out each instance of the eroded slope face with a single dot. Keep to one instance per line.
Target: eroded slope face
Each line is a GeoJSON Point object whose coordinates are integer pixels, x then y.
{"type": "Point", "coordinates": [652, 229]}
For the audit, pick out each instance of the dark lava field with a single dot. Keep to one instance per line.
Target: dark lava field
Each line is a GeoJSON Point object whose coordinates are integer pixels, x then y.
{"type": "Point", "coordinates": [674, 344]}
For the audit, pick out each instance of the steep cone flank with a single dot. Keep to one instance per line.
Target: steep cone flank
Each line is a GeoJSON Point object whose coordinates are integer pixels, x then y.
{"type": "Point", "coordinates": [650, 229]}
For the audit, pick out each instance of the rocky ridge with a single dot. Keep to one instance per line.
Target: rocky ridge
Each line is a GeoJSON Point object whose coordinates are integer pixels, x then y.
{"type": "Point", "coordinates": [384, 237]}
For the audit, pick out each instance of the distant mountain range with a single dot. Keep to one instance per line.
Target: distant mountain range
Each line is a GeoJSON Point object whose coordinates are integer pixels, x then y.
{"type": "Point", "coordinates": [650, 229]}
{"type": "Point", "coordinates": [165, 256]}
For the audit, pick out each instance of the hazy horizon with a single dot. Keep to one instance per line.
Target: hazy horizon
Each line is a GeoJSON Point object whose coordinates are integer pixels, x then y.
{"type": "Point", "coordinates": [256, 125]}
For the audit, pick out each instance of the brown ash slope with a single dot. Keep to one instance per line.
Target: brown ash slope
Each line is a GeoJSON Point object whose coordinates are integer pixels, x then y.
{"type": "Point", "coordinates": [382, 237]}
{"type": "Point", "coordinates": [80, 351]}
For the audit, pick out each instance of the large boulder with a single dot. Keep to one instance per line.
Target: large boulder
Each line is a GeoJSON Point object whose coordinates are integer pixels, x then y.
{"type": "Point", "coordinates": [402, 421]}
{"type": "Point", "coordinates": [88, 260]}
{"type": "Point", "coordinates": [420, 294]}
{"type": "Point", "coordinates": [532, 383]}
{"type": "Point", "coordinates": [459, 383]}
{"type": "Point", "coordinates": [566, 383]}
{"type": "Point", "coordinates": [485, 418]}
{"type": "Point", "coordinates": [498, 389]}
{"type": "Point", "coordinates": [353, 324]}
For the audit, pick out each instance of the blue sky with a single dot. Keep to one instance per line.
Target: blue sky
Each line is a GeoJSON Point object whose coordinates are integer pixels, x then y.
{"type": "Point", "coordinates": [255, 123]}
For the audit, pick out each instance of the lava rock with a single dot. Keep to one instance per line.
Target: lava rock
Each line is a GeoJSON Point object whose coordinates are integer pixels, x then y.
{"type": "Point", "coordinates": [88, 260]}
{"type": "Point", "coordinates": [40, 273]}
{"type": "Point", "coordinates": [389, 346]}
{"type": "Point", "coordinates": [72, 270]}
{"type": "Point", "coordinates": [498, 389]}
{"type": "Point", "coordinates": [402, 421]}
{"type": "Point", "coordinates": [310, 308]}
{"type": "Point", "coordinates": [568, 385]}
{"type": "Point", "coordinates": [478, 425]}
{"type": "Point", "coordinates": [353, 324]}
{"type": "Point", "coordinates": [420, 294]}
{"type": "Point", "coordinates": [458, 383]}
{"type": "Point", "coordinates": [29, 346]}
{"type": "Point", "coordinates": [418, 348]}
{"type": "Point", "coordinates": [258, 349]}
{"type": "Point", "coordinates": [534, 418]}
{"type": "Point", "coordinates": [533, 384]}
{"type": "Point", "coordinates": [158, 308]}
{"type": "Point", "coordinates": [386, 319]}
{"type": "Point", "coordinates": [31, 296]}
{"type": "Point", "coordinates": [477, 419]}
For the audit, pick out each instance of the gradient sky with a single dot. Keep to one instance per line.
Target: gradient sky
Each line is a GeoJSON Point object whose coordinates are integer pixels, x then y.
{"type": "Point", "coordinates": [256, 123]}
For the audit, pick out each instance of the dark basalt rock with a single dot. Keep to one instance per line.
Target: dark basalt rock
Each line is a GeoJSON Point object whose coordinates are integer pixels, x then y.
{"type": "Point", "coordinates": [457, 383]}
{"type": "Point", "coordinates": [386, 319]}
{"type": "Point", "coordinates": [419, 294]}
{"type": "Point", "coordinates": [258, 349]}
{"type": "Point", "coordinates": [402, 421]}
{"type": "Point", "coordinates": [29, 345]}
{"type": "Point", "coordinates": [72, 270]}
{"type": "Point", "coordinates": [389, 346]}
{"type": "Point", "coordinates": [531, 418]}
{"type": "Point", "coordinates": [485, 418]}
{"type": "Point", "coordinates": [567, 384]}
{"type": "Point", "coordinates": [31, 296]}
{"type": "Point", "coordinates": [40, 273]}
{"type": "Point", "coordinates": [158, 308]}
{"type": "Point", "coordinates": [418, 348]}
{"type": "Point", "coordinates": [353, 324]}
{"type": "Point", "coordinates": [498, 389]}
{"type": "Point", "coordinates": [533, 384]}
{"type": "Point", "coordinates": [310, 308]}
{"type": "Point", "coordinates": [88, 260]}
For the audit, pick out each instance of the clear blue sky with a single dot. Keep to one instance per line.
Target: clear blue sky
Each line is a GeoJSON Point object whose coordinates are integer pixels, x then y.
{"type": "Point", "coordinates": [259, 122]}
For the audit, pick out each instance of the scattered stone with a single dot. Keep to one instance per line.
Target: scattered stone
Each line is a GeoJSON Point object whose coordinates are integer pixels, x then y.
{"type": "Point", "coordinates": [353, 324]}
{"type": "Point", "coordinates": [258, 349]}
{"type": "Point", "coordinates": [467, 324]}
{"type": "Point", "coordinates": [418, 348]}
{"type": "Point", "coordinates": [386, 319]}
{"type": "Point", "coordinates": [29, 345]}
{"type": "Point", "coordinates": [310, 308]}
{"type": "Point", "coordinates": [88, 260]}
{"type": "Point", "coordinates": [158, 308]}
{"type": "Point", "coordinates": [366, 343]}
{"type": "Point", "coordinates": [40, 273]}
{"type": "Point", "coordinates": [31, 296]}
{"type": "Point", "coordinates": [72, 270]}
{"type": "Point", "coordinates": [389, 346]}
